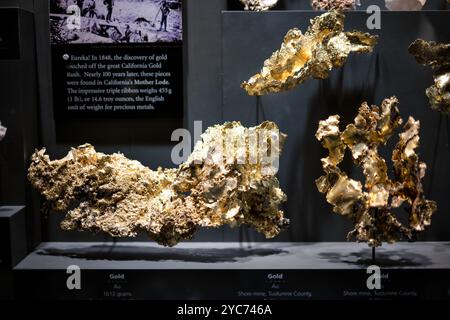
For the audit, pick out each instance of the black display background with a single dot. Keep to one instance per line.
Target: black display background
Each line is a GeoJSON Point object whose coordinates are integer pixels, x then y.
{"type": "Point", "coordinates": [9, 35]}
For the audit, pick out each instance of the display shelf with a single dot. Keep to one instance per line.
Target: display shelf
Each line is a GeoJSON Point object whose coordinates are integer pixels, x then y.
{"type": "Point", "coordinates": [132, 270]}
{"type": "Point", "coordinates": [13, 246]}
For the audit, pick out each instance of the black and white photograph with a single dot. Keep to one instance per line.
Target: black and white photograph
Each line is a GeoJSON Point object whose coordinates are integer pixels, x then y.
{"type": "Point", "coordinates": [115, 21]}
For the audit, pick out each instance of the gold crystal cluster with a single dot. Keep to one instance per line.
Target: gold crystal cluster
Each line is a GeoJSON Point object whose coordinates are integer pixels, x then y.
{"type": "Point", "coordinates": [214, 187]}
{"type": "Point", "coordinates": [437, 56]}
{"type": "Point", "coordinates": [258, 5]}
{"type": "Point", "coordinates": [343, 5]}
{"type": "Point", "coordinates": [314, 54]}
{"type": "Point", "coordinates": [371, 206]}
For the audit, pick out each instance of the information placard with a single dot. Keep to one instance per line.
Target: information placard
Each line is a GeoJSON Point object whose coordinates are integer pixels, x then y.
{"type": "Point", "coordinates": [117, 58]}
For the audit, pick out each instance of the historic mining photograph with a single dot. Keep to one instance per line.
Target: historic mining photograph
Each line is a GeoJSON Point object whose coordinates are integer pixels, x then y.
{"type": "Point", "coordinates": [115, 21]}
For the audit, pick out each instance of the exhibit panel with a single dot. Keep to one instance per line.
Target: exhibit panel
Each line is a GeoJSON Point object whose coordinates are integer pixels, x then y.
{"type": "Point", "coordinates": [110, 59]}
{"type": "Point", "coordinates": [225, 150]}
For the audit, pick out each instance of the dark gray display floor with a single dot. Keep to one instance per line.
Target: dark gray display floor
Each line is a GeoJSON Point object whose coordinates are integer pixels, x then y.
{"type": "Point", "coordinates": [231, 271]}
{"type": "Point", "coordinates": [276, 255]}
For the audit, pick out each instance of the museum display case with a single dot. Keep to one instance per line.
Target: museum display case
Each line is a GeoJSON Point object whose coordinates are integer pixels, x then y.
{"type": "Point", "coordinates": [225, 150]}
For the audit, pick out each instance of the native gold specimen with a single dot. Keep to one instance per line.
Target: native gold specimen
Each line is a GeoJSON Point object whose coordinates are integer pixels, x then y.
{"type": "Point", "coordinates": [437, 56]}
{"type": "Point", "coordinates": [371, 208]}
{"type": "Point", "coordinates": [343, 5]}
{"type": "Point", "coordinates": [311, 55]}
{"type": "Point", "coordinates": [228, 179]}
{"type": "Point", "coordinates": [258, 5]}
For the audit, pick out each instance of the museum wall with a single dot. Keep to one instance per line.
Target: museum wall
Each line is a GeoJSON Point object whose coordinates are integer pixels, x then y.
{"type": "Point", "coordinates": [208, 87]}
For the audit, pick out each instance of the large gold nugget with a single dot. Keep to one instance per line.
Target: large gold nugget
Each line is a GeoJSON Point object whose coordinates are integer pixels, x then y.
{"type": "Point", "coordinates": [311, 55]}
{"type": "Point", "coordinates": [437, 56]}
{"type": "Point", "coordinates": [370, 206]}
{"type": "Point", "coordinates": [226, 180]}
{"type": "Point", "coordinates": [342, 5]}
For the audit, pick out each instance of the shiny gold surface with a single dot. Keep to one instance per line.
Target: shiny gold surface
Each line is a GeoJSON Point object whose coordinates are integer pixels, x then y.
{"type": "Point", "coordinates": [437, 56]}
{"type": "Point", "coordinates": [314, 54]}
{"type": "Point", "coordinates": [343, 5]}
{"type": "Point", "coordinates": [214, 187]}
{"type": "Point", "coordinates": [371, 206]}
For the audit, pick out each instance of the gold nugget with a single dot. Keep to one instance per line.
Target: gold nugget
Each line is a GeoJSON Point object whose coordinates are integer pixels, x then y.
{"type": "Point", "coordinates": [437, 56]}
{"type": "Point", "coordinates": [343, 5]}
{"type": "Point", "coordinates": [228, 179]}
{"type": "Point", "coordinates": [311, 55]}
{"type": "Point", "coordinates": [370, 206]}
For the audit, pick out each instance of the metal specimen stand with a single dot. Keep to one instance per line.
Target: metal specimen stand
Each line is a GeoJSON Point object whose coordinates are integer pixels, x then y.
{"type": "Point", "coordinates": [114, 244]}
{"type": "Point", "coordinates": [436, 148]}
{"type": "Point", "coordinates": [373, 255]}
{"type": "Point", "coordinates": [244, 237]}
{"type": "Point", "coordinates": [259, 114]}
{"type": "Point", "coordinates": [375, 216]}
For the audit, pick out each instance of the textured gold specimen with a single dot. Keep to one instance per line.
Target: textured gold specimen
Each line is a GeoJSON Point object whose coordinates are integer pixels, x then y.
{"type": "Point", "coordinates": [343, 5]}
{"type": "Point", "coordinates": [437, 56]}
{"type": "Point", "coordinates": [258, 5]}
{"type": "Point", "coordinates": [311, 55]}
{"type": "Point", "coordinates": [222, 182]}
{"type": "Point", "coordinates": [370, 206]}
